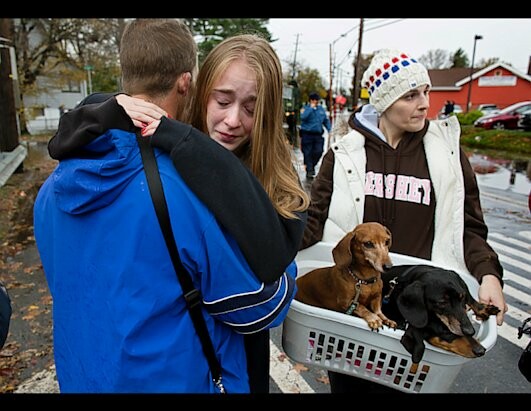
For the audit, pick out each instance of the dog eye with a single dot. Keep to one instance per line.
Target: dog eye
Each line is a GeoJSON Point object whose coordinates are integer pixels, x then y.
{"type": "Point", "coordinates": [387, 243]}
{"type": "Point", "coordinates": [368, 244]}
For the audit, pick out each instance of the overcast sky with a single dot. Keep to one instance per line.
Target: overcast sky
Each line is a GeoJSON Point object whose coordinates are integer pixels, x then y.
{"type": "Point", "coordinates": [507, 39]}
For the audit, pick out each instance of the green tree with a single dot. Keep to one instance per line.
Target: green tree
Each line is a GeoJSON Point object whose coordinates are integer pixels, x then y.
{"type": "Point", "coordinates": [210, 32]}
{"type": "Point", "coordinates": [309, 80]}
{"type": "Point", "coordinates": [460, 59]}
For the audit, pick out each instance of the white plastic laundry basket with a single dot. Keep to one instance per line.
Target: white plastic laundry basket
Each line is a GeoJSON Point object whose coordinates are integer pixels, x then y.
{"type": "Point", "coordinates": [338, 342]}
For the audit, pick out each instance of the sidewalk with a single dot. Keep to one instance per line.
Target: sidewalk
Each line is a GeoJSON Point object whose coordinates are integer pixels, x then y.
{"type": "Point", "coordinates": [9, 162]}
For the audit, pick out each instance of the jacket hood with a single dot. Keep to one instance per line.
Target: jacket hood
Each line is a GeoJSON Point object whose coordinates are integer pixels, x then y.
{"type": "Point", "coordinates": [367, 118]}
{"type": "Point", "coordinates": [94, 181]}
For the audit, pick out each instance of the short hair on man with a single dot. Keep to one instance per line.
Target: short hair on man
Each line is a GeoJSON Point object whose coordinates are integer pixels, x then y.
{"type": "Point", "coordinates": [153, 53]}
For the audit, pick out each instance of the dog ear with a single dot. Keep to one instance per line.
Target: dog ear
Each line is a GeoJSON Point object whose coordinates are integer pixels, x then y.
{"type": "Point", "coordinates": [413, 343]}
{"type": "Point", "coordinates": [411, 305]}
{"type": "Point", "coordinates": [342, 253]}
{"type": "Point", "coordinates": [390, 237]}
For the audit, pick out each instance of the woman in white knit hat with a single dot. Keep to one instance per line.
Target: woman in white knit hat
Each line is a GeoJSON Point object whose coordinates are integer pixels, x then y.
{"type": "Point", "coordinates": [398, 168]}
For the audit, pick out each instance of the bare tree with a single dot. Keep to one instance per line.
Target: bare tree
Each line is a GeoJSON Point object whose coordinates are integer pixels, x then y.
{"type": "Point", "coordinates": [436, 59]}
{"type": "Point", "coordinates": [43, 45]}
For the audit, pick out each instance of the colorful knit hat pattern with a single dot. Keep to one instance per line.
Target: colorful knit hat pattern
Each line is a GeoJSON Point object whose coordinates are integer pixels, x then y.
{"type": "Point", "coordinates": [390, 75]}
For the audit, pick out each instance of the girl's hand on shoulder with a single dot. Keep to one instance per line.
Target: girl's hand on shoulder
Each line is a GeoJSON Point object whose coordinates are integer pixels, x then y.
{"type": "Point", "coordinates": [140, 111]}
{"type": "Point", "coordinates": [148, 130]}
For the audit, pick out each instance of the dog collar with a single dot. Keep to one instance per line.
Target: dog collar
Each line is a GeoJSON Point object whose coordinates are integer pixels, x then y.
{"type": "Point", "coordinates": [392, 285]}
{"type": "Point", "coordinates": [362, 281]}
{"type": "Point", "coordinates": [354, 303]}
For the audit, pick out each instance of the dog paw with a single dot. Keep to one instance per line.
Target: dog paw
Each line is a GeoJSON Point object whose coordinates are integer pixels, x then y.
{"type": "Point", "coordinates": [492, 309]}
{"type": "Point", "coordinates": [391, 324]}
{"type": "Point", "coordinates": [375, 324]}
{"type": "Point", "coordinates": [486, 311]}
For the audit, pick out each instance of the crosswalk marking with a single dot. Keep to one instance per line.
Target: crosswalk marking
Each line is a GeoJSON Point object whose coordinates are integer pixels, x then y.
{"type": "Point", "coordinates": [516, 294]}
{"type": "Point", "coordinates": [511, 334]}
{"type": "Point", "coordinates": [514, 241]}
{"type": "Point", "coordinates": [513, 262]}
{"type": "Point", "coordinates": [516, 313]}
{"type": "Point", "coordinates": [287, 378]}
{"type": "Point", "coordinates": [524, 282]}
{"type": "Point", "coordinates": [510, 250]}
{"type": "Point", "coordinates": [507, 331]}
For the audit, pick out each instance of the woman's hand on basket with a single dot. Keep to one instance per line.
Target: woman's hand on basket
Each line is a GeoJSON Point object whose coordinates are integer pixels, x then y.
{"type": "Point", "coordinates": [490, 292]}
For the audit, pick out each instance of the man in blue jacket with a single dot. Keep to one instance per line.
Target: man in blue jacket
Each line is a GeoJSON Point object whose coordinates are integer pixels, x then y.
{"type": "Point", "coordinates": [313, 119]}
{"type": "Point", "coordinates": [120, 320]}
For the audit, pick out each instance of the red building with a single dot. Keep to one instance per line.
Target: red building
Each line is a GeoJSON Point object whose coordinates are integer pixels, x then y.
{"type": "Point", "coordinates": [498, 84]}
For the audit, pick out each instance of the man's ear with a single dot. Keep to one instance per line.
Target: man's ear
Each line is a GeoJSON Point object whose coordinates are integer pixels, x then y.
{"type": "Point", "coordinates": [183, 83]}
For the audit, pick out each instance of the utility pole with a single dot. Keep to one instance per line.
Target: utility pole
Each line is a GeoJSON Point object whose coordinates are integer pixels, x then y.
{"type": "Point", "coordinates": [295, 58]}
{"type": "Point", "coordinates": [476, 38]}
{"type": "Point", "coordinates": [356, 91]}
{"type": "Point", "coordinates": [8, 114]}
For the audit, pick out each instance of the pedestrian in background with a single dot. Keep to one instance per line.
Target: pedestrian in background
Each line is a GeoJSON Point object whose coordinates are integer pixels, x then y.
{"type": "Point", "coordinates": [313, 122]}
{"type": "Point", "coordinates": [448, 108]}
{"type": "Point", "coordinates": [238, 102]}
{"type": "Point", "coordinates": [399, 169]}
{"type": "Point", "coordinates": [120, 320]}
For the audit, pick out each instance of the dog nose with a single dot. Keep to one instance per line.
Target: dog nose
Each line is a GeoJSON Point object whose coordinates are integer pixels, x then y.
{"type": "Point", "coordinates": [479, 350]}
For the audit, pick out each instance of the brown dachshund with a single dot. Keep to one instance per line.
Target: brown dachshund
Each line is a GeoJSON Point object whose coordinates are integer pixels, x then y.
{"type": "Point", "coordinates": [353, 285]}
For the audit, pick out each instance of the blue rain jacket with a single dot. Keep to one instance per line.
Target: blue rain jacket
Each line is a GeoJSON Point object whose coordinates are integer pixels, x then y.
{"type": "Point", "coordinates": [120, 322]}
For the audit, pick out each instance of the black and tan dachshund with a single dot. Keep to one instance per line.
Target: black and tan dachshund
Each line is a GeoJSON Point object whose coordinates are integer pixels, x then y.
{"type": "Point", "coordinates": [431, 304]}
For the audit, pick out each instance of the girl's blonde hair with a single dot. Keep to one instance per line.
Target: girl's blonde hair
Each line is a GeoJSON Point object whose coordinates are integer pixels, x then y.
{"type": "Point", "coordinates": [268, 153]}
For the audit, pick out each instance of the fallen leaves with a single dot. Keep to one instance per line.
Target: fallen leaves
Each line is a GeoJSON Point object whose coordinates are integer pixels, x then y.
{"type": "Point", "coordinates": [29, 344]}
{"type": "Point", "coordinates": [300, 367]}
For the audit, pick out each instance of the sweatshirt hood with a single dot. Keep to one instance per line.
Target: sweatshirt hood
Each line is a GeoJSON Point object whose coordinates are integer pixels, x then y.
{"type": "Point", "coordinates": [367, 118]}
{"type": "Point", "coordinates": [94, 181]}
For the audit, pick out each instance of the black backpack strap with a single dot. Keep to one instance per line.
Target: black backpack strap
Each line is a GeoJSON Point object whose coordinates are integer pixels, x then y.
{"type": "Point", "coordinates": [191, 294]}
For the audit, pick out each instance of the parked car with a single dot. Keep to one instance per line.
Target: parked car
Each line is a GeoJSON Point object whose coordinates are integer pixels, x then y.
{"type": "Point", "coordinates": [487, 109]}
{"type": "Point", "coordinates": [525, 120]}
{"type": "Point", "coordinates": [507, 118]}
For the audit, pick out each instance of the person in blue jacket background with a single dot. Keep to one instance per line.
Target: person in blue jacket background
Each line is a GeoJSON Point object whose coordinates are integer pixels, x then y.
{"type": "Point", "coordinates": [313, 119]}
{"type": "Point", "coordinates": [120, 320]}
